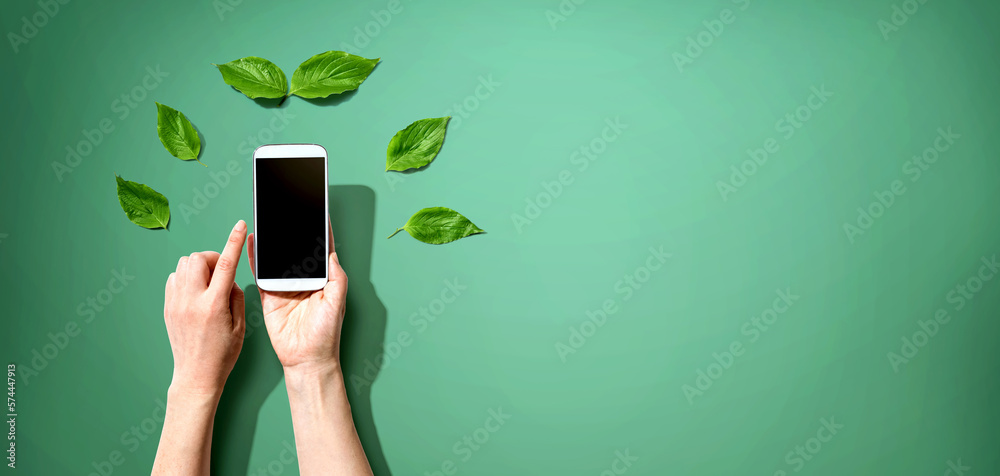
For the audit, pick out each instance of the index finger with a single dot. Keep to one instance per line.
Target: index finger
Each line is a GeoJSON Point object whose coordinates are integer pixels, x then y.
{"type": "Point", "coordinates": [225, 269]}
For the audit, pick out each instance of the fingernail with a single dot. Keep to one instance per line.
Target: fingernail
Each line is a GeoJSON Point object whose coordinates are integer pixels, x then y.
{"type": "Point", "coordinates": [240, 226]}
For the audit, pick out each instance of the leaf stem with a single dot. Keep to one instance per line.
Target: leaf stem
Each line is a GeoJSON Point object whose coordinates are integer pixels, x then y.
{"type": "Point", "coordinates": [394, 233]}
{"type": "Point", "coordinates": [200, 162]}
{"type": "Point", "coordinates": [282, 101]}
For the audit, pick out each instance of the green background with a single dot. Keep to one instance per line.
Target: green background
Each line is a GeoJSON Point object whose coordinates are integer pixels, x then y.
{"type": "Point", "coordinates": [61, 238]}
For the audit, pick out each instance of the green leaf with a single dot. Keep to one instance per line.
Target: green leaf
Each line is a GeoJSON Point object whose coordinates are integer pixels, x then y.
{"type": "Point", "coordinates": [439, 225]}
{"type": "Point", "coordinates": [417, 145]}
{"type": "Point", "coordinates": [177, 133]}
{"type": "Point", "coordinates": [143, 206]}
{"type": "Point", "coordinates": [329, 73]}
{"type": "Point", "coordinates": [255, 77]}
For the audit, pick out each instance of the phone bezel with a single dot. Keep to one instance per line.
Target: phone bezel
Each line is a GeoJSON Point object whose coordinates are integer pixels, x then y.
{"type": "Point", "coordinates": [286, 151]}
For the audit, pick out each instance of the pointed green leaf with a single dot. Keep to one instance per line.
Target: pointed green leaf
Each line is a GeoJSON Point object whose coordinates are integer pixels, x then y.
{"type": "Point", "coordinates": [417, 145]}
{"type": "Point", "coordinates": [329, 73]}
{"type": "Point", "coordinates": [255, 77]}
{"type": "Point", "coordinates": [177, 133]}
{"type": "Point", "coordinates": [143, 206]}
{"type": "Point", "coordinates": [439, 225]}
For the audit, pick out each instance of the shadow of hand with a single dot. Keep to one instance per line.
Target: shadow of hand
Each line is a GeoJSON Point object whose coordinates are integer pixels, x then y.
{"type": "Point", "coordinates": [253, 378]}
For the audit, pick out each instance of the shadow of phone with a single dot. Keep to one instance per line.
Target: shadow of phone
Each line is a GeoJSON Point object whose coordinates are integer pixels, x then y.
{"type": "Point", "coordinates": [258, 371]}
{"type": "Point", "coordinates": [352, 213]}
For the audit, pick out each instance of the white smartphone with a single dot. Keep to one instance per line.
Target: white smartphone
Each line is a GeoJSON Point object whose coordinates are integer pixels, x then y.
{"type": "Point", "coordinates": [290, 217]}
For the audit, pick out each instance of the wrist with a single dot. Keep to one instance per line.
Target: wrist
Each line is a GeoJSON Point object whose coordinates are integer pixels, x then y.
{"type": "Point", "coordinates": [185, 387]}
{"type": "Point", "coordinates": [192, 396]}
{"type": "Point", "coordinates": [312, 374]}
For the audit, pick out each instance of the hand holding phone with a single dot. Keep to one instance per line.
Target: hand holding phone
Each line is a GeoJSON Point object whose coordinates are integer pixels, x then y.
{"type": "Point", "coordinates": [301, 284]}
{"type": "Point", "coordinates": [303, 292]}
{"type": "Point", "coordinates": [304, 326]}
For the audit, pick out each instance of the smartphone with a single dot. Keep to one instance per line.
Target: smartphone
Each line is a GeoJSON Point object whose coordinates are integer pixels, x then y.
{"type": "Point", "coordinates": [290, 217]}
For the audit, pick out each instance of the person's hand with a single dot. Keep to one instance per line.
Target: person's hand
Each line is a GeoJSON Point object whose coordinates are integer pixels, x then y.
{"type": "Point", "coordinates": [305, 332]}
{"type": "Point", "coordinates": [203, 311]}
{"type": "Point", "coordinates": [305, 326]}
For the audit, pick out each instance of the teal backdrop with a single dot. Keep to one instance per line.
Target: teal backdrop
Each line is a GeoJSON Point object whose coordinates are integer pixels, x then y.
{"type": "Point", "coordinates": [742, 237]}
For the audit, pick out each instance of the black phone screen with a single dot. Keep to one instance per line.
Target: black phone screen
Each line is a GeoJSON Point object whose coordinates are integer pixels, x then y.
{"type": "Point", "coordinates": [291, 227]}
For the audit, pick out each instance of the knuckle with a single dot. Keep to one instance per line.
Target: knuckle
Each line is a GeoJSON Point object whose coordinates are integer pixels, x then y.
{"type": "Point", "coordinates": [218, 306]}
{"type": "Point", "coordinates": [225, 264]}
